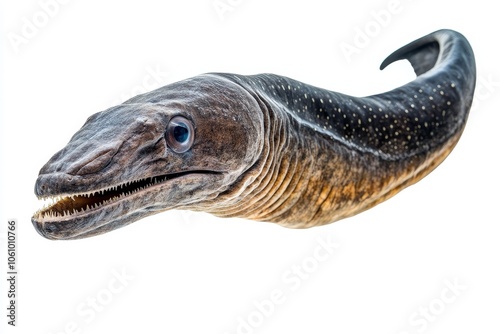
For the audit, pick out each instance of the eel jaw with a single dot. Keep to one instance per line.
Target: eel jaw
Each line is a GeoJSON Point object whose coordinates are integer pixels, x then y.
{"type": "Point", "coordinates": [80, 215]}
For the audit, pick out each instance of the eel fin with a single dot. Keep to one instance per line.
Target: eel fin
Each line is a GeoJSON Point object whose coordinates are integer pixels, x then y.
{"type": "Point", "coordinates": [422, 54]}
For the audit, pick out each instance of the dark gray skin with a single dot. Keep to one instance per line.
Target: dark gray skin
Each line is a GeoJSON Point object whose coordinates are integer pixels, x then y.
{"type": "Point", "coordinates": [264, 147]}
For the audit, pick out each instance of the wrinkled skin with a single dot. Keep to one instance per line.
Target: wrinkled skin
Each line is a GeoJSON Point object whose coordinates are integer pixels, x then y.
{"type": "Point", "coordinates": [265, 147]}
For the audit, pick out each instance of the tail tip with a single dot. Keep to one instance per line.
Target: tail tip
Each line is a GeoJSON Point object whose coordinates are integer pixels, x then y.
{"type": "Point", "coordinates": [422, 53]}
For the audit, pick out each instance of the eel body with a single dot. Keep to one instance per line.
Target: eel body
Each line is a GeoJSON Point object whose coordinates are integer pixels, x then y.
{"type": "Point", "coordinates": [261, 147]}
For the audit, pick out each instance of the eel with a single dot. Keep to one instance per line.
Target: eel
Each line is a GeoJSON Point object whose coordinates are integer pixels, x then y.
{"type": "Point", "coordinates": [261, 147]}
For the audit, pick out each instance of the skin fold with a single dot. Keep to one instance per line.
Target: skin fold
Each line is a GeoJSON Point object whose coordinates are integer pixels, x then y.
{"type": "Point", "coordinates": [261, 147]}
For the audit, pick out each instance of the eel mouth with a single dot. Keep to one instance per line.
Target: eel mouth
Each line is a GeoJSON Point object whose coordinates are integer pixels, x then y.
{"type": "Point", "coordinates": [80, 203]}
{"type": "Point", "coordinates": [92, 207]}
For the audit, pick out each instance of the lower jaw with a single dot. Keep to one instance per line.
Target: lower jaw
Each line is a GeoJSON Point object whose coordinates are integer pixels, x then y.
{"type": "Point", "coordinates": [72, 226]}
{"type": "Point", "coordinates": [103, 219]}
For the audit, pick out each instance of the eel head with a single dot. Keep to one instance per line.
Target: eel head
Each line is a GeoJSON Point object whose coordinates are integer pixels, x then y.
{"type": "Point", "coordinates": [178, 146]}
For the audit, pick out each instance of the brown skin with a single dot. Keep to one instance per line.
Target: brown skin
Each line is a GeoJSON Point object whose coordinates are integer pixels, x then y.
{"type": "Point", "coordinates": [265, 147]}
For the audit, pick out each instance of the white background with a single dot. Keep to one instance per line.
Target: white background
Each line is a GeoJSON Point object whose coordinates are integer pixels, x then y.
{"type": "Point", "coordinates": [194, 273]}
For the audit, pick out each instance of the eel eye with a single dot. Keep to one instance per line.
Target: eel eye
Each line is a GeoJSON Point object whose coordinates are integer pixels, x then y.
{"type": "Point", "coordinates": [179, 134]}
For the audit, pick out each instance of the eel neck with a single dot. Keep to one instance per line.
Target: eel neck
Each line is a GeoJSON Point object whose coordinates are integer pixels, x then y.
{"type": "Point", "coordinates": [266, 189]}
